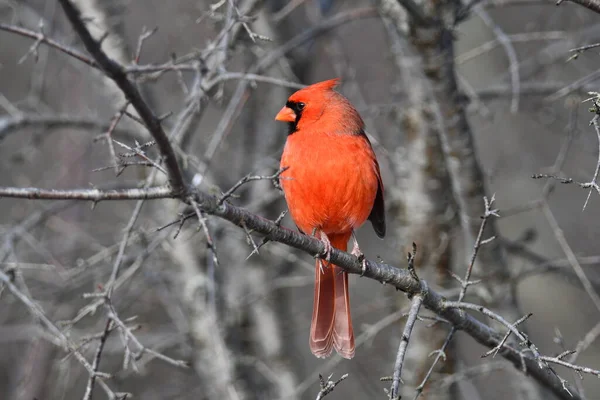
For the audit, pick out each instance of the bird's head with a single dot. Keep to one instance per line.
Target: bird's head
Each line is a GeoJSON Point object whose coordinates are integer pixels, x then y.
{"type": "Point", "coordinates": [319, 108]}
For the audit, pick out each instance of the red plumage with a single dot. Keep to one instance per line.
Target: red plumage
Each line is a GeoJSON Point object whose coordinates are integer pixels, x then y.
{"type": "Point", "coordinates": [332, 186]}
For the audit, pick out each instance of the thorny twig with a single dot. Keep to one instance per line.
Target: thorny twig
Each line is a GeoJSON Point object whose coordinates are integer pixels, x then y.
{"type": "Point", "coordinates": [249, 178]}
{"type": "Point", "coordinates": [328, 386]}
{"type": "Point", "coordinates": [143, 37]}
{"type": "Point", "coordinates": [542, 361]}
{"type": "Point", "coordinates": [511, 327]}
{"type": "Point", "coordinates": [558, 339]}
{"type": "Point", "coordinates": [266, 238]}
{"type": "Point", "coordinates": [593, 184]}
{"type": "Point", "coordinates": [138, 151]}
{"type": "Point", "coordinates": [109, 133]}
{"type": "Point", "coordinates": [494, 351]}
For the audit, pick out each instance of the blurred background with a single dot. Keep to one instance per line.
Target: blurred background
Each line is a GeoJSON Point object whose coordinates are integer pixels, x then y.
{"type": "Point", "coordinates": [242, 323]}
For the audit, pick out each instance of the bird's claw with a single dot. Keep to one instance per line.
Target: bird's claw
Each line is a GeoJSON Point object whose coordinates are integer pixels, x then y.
{"type": "Point", "coordinates": [326, 255]}
{"type": "Point", "coordinates": [363, 263]}
{"type": "Point", "coordinates": [361, 257]}
{"type": "Point", "coordinates": [327, 252]}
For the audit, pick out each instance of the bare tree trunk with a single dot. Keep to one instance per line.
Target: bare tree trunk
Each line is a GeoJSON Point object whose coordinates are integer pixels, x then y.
{"type": "Point", "coordinates": [424, 207]}
{"type": "Point", "coordinates": [432, 37]}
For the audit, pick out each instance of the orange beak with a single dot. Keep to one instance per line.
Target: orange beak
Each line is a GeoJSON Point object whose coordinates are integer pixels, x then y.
{"type": "Point", "coordinates": [286, 114]}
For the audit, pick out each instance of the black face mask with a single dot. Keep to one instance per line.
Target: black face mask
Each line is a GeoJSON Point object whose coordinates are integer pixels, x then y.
{"type": "Point", "coordinates": [297, 108]}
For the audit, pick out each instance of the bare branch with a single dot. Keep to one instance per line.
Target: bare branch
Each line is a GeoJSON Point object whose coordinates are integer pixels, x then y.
{"type": "Point", "coordinates": [41, 38]}
{"type": "Point", "coordinates": [9, 125]}
{"type": "Point", "coordinates": [465, 284]}
{"type": "Point", "coordinates": [593, 5]}
{"type": "Point", "coordinates": [401, 279]}
{"type": "Point", "coordinates": [250, 178]}
{"type": "Point", "coordinates": [117, 73]}
{"type": "Point", "coordinates": [89, 389]}
{"type": "Point", "coordinates": [410, 322]}
{"type": "Point", "coordinates": [558, 360]}
{"type": "Point", "coordinates": [328, 386]}
{"type": "Point", "coordinates": [156, 192]}
{"type": "Point", "coordinates": [570, 254]}
{"type": "Point", "coordinates": [509, 49]}
{"type": "Point", "coordinates": [511, 327]}
{"type": "Point", "coordinates": [37, 311]}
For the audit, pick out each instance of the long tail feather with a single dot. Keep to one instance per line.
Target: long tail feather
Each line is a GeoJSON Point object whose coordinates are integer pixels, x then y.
{"type": "Point", "coordinates": [321, 327]}
{"type": "Point", "coordinates": [343, 334]}
{"type": "Point", "coordinates": [331, 325]}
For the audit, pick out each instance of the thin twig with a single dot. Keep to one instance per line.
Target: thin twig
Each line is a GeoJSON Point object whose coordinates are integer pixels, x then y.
{"type": "Point", "coordinates": [510, 53]}
{"type": "Point", "coordinates": [410, 322]}
{"type": "Point", "coordinates": [328, 386]}
{"type": "Point", "coordinates": [109, 135]}
{"type": "Point", "coordinates": [40, 37]}
{"type": "Point", "coordinates": [493, 352]}
{"type": "Point", "coordinates": [110, 286]}
{"type": "Point", "coordinates": [570, 254]}
{"type": "Point", "coordinates": [593, 184]}
{"type": "Point", "coordinates": [89, 389]}
{"type": "Point", "coordinates": [250, 178]}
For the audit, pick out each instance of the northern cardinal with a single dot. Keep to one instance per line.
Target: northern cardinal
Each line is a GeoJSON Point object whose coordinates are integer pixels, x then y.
{"type": "Point", "coordinates": [332, 185]}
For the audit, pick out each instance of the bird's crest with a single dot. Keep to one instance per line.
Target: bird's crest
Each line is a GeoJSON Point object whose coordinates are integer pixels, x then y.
{"type": "Point", "coordinates": [325, 85]}
{"type": "Point", "coordinates": [315, 89]}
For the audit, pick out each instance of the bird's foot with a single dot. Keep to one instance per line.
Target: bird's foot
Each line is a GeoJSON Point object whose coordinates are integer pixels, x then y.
{"type": "Point", "coordinates": [327, 252]}
{"type": "Point", "coordinates": [359, 254]}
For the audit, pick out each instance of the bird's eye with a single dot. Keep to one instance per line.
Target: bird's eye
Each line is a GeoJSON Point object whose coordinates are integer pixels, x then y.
{"type": "Point", "coordinates": [296, 106]}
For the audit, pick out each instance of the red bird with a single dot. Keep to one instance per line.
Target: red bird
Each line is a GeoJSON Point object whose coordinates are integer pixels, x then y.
{"type": "Point", "coordinates": [332, 186]}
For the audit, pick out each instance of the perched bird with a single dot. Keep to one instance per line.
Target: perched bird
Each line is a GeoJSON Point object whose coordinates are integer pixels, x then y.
{"type": "Point", "coordinates": [332, 185]}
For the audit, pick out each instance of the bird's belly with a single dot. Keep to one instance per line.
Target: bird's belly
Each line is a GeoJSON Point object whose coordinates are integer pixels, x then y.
{"type": "Point", "coordinates": [334, 193]}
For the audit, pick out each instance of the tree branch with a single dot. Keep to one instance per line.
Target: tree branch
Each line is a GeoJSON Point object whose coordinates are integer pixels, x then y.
{"type": "Point", "coordinates": [398, 278]}
{"type": "Point", "coordinates": [117, 73]}
{"type": "Point", "coordinates": [593, 5]}
{"type": "Point", "coordinates": [9, 125]}
{"type": "Point", "coordinates": [410, 323]}
{"type": "Point", "coordinates": [41, 38]}
{"type": "Point", "coordinates": [401, 279]}
{"type": "Point", "coordinates": [157, 192]}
